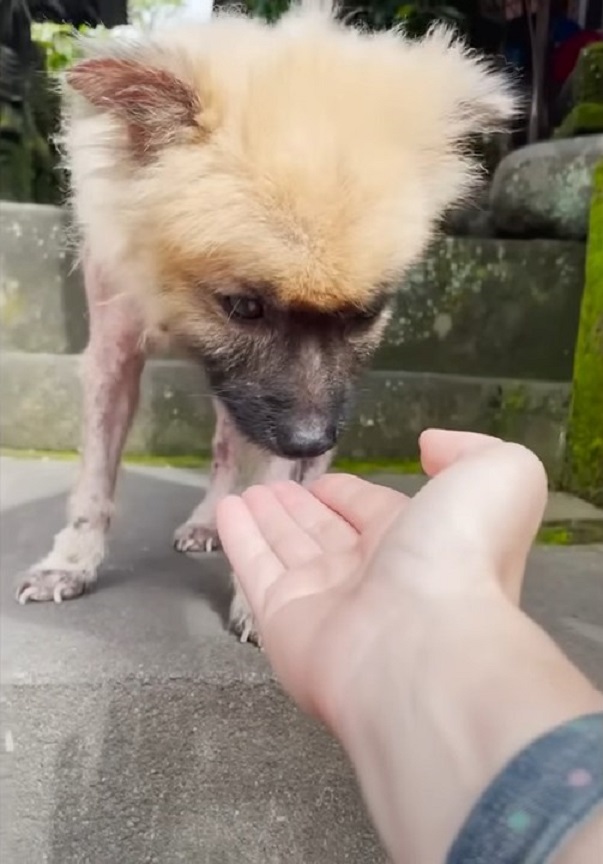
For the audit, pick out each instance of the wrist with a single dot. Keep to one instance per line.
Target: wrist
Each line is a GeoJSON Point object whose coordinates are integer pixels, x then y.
{"type": "Point", "coordinates": [427, 729]}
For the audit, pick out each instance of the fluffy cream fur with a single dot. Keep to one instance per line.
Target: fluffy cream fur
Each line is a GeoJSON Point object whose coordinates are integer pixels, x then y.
{"type": "Point", "coordinates": [319, 164]}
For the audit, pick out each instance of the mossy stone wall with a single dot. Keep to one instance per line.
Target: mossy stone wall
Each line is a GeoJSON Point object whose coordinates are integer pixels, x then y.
{"type": "Point", "coordinates": [476, 306]}
{"type": "Point", "coordinates": [585, 435]}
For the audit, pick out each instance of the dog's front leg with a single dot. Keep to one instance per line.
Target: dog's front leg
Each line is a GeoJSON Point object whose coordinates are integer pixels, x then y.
{"type": "Point", "coordinates": [112, 366]}
{"type": "Point", "coordinates": [199, 532]}
{"type": "Point", "coordinates": [271, 469]}
{"type": "Point", "coordinates": [236, 464]}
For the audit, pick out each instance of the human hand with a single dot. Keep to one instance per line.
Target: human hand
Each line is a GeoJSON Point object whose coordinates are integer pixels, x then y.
{"type": "Point", "coordinates": [332, 570]}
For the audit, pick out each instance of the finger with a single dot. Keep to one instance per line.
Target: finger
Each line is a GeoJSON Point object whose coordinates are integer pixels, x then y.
{"type": "Point", "coordinates": [327, 528]}
{"type": "Point", "coordinates": [361, 503]}
{"type": "Point", "coordinates": [441, 447]}
{"type": "Point", "coordinates": [254, 562]}
{"type": "Point", "coordinates": [286, 537]}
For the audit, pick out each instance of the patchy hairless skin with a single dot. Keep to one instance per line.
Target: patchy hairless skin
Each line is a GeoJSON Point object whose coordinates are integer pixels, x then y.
{"type": "Point", "coordinates": [199, 533]}
{"type": "Point", "coordinates": [111, 371]}
{"type": "Point", "coordinates": [260, 215]}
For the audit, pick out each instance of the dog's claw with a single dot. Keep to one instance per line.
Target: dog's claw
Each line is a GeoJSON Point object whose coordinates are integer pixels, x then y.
{"type": "Point", "coordinates": [53, 585]}
{"type": "Point", "coordinates": [241, 622]}
{"type": "Point", "coordinates": [191, 537]}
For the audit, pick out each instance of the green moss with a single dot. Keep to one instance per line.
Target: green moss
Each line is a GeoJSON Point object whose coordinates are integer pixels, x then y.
{"type": "Point", "coordinates": [11, 302]}
{"type": "Point", "coordinates": [60, 455]}
{"type": "Point", "coordinates": [586, 115]}
{"type": "Point", "coordinates": [509, 410]}
{"type": "Point", "coordinates": [199, 462]}
{"type": "Point", "coordinates": [554, 535]}
{"type": "Point", "coordinates": [584, 119]}
{"type": "Point", "coordinates": [176, 461]}
{"type": "Point", "coordinates": [406, 466]}
{"type": "Point", "coordinates": [584, 469]}
{"type": "Point", "coordinates": [356, 466]}
{"type": "Point", "coordinates": [15, 156]}
{"type": "Point", "coordinates": [572, 533]}
{"type": "Point", "coordinates": [588, 77]}
{"type": "Point", "coordinates": [514, 400]}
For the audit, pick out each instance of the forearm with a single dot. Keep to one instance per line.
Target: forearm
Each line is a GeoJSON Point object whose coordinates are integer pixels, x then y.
{"type": "Point", "coordinates": [485, 682]}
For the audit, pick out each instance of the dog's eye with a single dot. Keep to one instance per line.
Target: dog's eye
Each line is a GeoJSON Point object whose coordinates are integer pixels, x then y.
{"type": "Point", "coordinates": [243, 308]}
{"type": "Point", "coordinates": [368, 313]}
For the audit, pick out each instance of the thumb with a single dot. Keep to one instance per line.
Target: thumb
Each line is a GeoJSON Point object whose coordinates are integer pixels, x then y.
{"type": "Point", "coordinates": [484, 507]}
{"type": "Point", "coordinates": [441, 447]}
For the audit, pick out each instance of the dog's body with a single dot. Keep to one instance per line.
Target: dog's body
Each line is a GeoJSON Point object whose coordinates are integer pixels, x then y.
{"type": "Point", "coordinates": [254, 193]}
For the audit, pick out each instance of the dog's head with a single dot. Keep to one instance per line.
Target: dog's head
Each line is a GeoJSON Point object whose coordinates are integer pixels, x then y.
{"type": "Point", "coordinates": [277, 182]}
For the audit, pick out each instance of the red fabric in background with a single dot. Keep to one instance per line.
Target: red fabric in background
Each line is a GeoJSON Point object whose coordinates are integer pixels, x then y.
{"type": "Point", "coordinates": [565, 55]}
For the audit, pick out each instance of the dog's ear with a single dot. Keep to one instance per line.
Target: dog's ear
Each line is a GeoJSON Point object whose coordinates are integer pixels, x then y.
{"type": "Point", "coordinates": [155, 105]}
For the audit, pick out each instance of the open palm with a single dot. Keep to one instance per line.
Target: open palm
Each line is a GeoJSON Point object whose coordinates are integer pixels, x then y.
{"type": "Point", "coordinates": [302, 563]}
{"type": "Point", "coordinates": [329, 570]}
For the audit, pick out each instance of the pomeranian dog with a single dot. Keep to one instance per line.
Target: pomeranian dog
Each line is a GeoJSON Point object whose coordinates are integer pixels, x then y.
{"type": "Point", "coordinates": [255, 193]}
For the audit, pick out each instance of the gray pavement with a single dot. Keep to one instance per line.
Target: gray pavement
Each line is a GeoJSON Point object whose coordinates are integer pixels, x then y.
{"type": "Point", "coordinates": [135, 729]}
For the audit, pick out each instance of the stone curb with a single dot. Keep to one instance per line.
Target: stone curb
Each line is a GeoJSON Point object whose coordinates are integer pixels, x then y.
{"type": "Point", "coordinates": [40, 397]}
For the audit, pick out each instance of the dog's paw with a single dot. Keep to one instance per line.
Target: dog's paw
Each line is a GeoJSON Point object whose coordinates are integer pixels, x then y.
{"type": "Point", "coordinates": [41, 584]}
{"type": "Point", "coordinates": [192, 537]}
{"type": "Point", "coordinates": [241, 623]}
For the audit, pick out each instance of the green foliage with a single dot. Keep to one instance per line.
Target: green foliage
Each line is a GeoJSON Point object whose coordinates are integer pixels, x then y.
{"type": "Point", "coordinates": [416, 17]}
{"type": "Point", "coordinates": [269, 10]}
{"type": "Point", "coordinates": [145, 12]}
{"type": "Point", "coordinates": [58, 44]}
{"type": "Point", "coordinates": [60, 48]}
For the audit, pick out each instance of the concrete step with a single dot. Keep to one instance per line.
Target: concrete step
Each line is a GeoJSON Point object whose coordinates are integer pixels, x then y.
{"type": "Point", "coordinates": [135, 729]}
{"type": "Point", "coordinates": [42, 303]}
{"type": "Point", "coordinates": [40, 397]}
{"type": "Point", "coordinates": [506, 308]}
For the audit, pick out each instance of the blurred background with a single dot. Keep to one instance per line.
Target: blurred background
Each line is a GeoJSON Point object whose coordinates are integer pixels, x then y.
{"type": "Point", "coordinates": [554, 47]}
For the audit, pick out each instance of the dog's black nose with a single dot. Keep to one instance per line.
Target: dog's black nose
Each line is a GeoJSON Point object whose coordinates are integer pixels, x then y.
{"type": "Point", "coordinates": [306, 438]}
